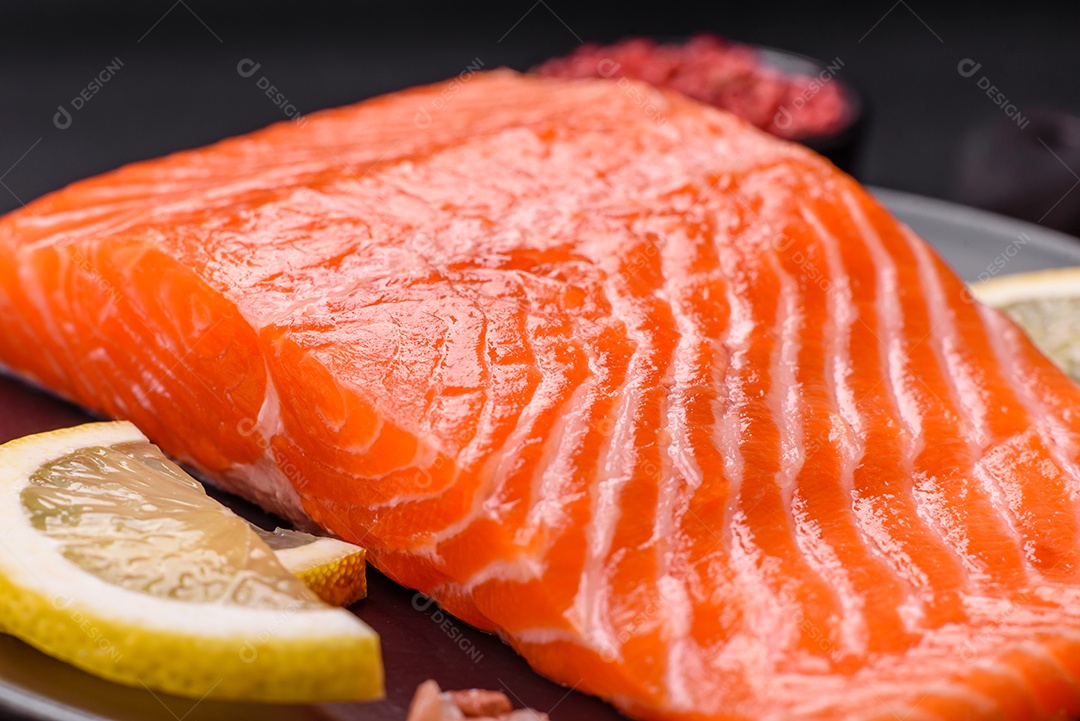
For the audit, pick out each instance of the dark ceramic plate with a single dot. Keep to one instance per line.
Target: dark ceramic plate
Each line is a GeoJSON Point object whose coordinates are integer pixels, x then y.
{"type": "Point", "coordinates": [420, 642]}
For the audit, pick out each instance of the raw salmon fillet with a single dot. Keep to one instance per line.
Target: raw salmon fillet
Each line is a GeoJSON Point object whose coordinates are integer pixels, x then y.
{"type": "Point", "coordinates": [674, 407]}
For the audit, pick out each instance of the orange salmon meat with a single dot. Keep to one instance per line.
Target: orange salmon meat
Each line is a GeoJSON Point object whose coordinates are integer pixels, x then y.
{"type": "Point", "coordinates": [675, 408]}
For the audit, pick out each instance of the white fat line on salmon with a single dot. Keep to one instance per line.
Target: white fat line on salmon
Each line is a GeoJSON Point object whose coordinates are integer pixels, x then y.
{"type": "Point", "coordinates": [273, 475]}
{"type": "Point", "coordinates": [746, 552]}
{"type": "Point", "coordinates": [892, 345]}
{"type": "Point", "coordinates": [553, 471]}
{"type": "Point", "coordinates": [966, 375]}
{"type": "Point", "coordinates": [850, 426]}
{"type": "Point", "coordinates": [276, 477]}
{"type": "Point", "coordinates": [676, 462]}
{"type": "Point", "coordinates": [844, 314]}
{"type": "Point", "coordinates": [1005, 340]}
{"type": "Point", "coordinates": [790, 417]}
{"type": "Point", "coordinates": [890, 540]}
{"type": "Point", "coordinates": [966, 415]}
{"type": "Point", "coordinates": [616, 468]}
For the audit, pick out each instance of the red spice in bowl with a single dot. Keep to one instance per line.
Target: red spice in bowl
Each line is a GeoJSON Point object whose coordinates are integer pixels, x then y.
{"type": "Point", "coordinates": [724, 74]}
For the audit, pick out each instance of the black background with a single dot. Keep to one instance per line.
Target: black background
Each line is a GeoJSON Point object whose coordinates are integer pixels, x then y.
{"type": "Point", "coordinates": [179, 87]}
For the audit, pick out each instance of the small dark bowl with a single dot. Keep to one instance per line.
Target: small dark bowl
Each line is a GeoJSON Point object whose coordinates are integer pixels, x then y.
{"type": "Point", "coordinates": [841, 147]}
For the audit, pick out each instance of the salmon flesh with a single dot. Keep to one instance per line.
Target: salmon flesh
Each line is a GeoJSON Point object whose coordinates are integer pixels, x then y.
{"type": "Point", "coordinates": [674, 407]}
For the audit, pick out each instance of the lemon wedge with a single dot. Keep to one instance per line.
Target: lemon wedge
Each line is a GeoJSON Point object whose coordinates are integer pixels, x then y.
{"type": "Point", "coordinates": [1046, 304]}
{"type": "Point", "coordinates": [115, 560]}
{"type": "Point", "coordinates": [334, 570]}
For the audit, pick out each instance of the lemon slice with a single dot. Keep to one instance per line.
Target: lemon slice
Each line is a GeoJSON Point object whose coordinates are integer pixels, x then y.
{"type": "Point", "coordinates": [1046, 304]}
{"type": "Point", "coordinates": [115, 560]}
{"type": "Point", "coordinates": [334, 570]}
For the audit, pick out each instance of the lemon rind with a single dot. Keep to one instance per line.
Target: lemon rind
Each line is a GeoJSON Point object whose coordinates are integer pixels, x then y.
{"type": "Point", "coordinates": [1008, 289]}
{"type": "Point", "coordinates": [212, 650]}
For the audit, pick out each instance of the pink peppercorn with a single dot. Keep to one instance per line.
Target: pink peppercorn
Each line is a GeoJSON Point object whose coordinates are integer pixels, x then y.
{"type": "Point", "coordinates": [724, 74]}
